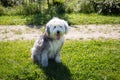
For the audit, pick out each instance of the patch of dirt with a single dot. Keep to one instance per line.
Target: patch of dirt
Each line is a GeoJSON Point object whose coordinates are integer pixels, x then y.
{"type": "Point", "coordinates": [76, 32]}
{"type": "Point", "coordinates": [88, 32]}
{"type": "Point", "coordinates": [19, 33]}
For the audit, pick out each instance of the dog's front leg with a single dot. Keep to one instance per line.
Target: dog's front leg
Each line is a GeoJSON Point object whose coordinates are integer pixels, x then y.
{"type": "Point", "coordinates": [57, 57]}
{"type": "Point", "coordinates": [44, 59]}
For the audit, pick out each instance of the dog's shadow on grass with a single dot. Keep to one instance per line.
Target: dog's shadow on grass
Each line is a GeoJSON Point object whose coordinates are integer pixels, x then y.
{"type": "Point", "coordinates": [56, 71]}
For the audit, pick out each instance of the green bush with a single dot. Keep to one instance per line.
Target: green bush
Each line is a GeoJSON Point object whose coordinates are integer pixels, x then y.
{"type": "Point", "coordinates": [83, 6]}
{"type": "Point", "coordinates": [16, 10]}
{"type": "Point", "coordinates": [107, 6]}
{"type": "Point", "coordinates": [70, 6]}
{"type": "Point", "coordinates": [58, 7]}
{"type": "Point", "coordinates": [7, 3]}
{"type": "Point", "coordinates": [32, 8]}
{"type": "Point", "coordinates": [2, 10]}
{"type": "Point", "coordinates": [89, 6]}
{"type": "Point", "coordinates": [27, 7]}
{"type": "Point", "coordinates": [22, 7]}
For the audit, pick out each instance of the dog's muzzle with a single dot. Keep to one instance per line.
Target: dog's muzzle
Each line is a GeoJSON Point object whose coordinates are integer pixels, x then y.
{"type": "Point", "coordinates": [58, 35]}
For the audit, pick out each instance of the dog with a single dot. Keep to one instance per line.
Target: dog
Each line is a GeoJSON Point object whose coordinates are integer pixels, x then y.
{"type": "Point", "coordinates": [48, 46]}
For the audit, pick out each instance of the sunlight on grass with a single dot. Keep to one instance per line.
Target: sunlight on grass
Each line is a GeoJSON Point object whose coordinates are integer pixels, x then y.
{"type": "Point", "coordinates": [12, 20]}
{"type": "Point", "coordinates": [81, 60]}
{"type": "Point", "coordinates": [71, 18]}
{"type": "Point", "coordinates": [92, 19]}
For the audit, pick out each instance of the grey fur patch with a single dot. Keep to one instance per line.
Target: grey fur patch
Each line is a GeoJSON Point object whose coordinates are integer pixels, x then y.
{"type": "Point", "coordinates": [66, 26]}
{"type": "Point", "coordinates": [41, 45]}
{"type": "Point", "coordinates": [48, 30]}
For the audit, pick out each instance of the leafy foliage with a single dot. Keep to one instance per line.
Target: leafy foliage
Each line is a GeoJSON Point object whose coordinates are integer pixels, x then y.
{"type": "Point", "coordinates": [107, 6]}
{"type": "Point", "coordinates": [1, 10]}
{"type": "Point", "coordinates": [10, 3]}
{"type": "Point", "coordinates": [32, 8]}
{"type": "Point", "coordinates": [54, 7]}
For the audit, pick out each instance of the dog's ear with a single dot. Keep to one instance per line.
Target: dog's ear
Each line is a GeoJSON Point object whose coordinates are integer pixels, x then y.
{"type": "Point", "coordinates": [47, 30]}
{"type": "Point", "coordinates": [66, 26]}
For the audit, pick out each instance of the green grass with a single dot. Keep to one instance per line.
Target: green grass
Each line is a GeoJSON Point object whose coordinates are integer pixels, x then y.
{"type": "Point", "coordinates": [93, 19]}
{"type": "Point", "coordinates": [71, 18]}
{"type": "Point", "coordinates": [81, 60]}
{"type": "Point", "coordinates": [13, 20]}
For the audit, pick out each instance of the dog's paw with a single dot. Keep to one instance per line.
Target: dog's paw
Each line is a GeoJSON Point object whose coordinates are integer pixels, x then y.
{"type": "Point", "coordinates": [45, 63]}
{"type": "Point", "coordinates": [57, 60]}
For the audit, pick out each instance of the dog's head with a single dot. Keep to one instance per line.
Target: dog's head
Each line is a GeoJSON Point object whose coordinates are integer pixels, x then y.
{"type": "Point", "coordinates": [56, 28]}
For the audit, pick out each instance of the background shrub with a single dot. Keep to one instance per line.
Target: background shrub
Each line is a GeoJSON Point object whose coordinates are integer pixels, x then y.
{"type": "Point", "coordinates": [70, 6]}
{"type": "Point", "coordinates": [1, 10]}
{"type": "Point", "coordinates": [107, 6]}
{"type": "Point", "coordinates": [8, 3]}
{"type": "Point", "coordinates": [31, 8]}
{"type": "Point", "coordinates": [85, 6]}
{"type": "Point", "coordinates": [53, 7]}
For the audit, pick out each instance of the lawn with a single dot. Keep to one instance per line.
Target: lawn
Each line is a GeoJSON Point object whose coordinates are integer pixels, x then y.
{"type": "Point", "coordinates": [72, 18]}
{"type": "Point", "coordinates": [81, 60]}
{"type": "Point", "coordinates": [92, 19]}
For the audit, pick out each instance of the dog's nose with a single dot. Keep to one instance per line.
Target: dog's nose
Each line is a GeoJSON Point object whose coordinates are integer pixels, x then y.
{"type": "Point", "coordinates": [58, 32]}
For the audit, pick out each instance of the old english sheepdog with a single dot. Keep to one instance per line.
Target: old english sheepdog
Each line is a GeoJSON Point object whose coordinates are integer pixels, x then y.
{"type": "Point", "coordinates": [48, 46]}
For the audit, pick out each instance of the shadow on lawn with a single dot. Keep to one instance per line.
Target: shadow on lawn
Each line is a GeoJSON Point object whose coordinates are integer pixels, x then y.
{"type": "Point", "coordinates": [56, 71]}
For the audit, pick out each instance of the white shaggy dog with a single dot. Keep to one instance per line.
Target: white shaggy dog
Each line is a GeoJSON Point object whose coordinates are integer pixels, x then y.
{"type": "Point", "coordinates": [49, 45]}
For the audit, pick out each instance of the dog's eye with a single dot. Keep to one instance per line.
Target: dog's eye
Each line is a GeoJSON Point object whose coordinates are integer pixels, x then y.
{"type": "Point", "coordinates": [54, 27]}
{"type": "Point", "coordinates": [60, 26]}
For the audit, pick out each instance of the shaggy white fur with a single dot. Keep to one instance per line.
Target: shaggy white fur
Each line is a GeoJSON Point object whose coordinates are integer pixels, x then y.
{"type": "Point", "coordinates": [49, 45]}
